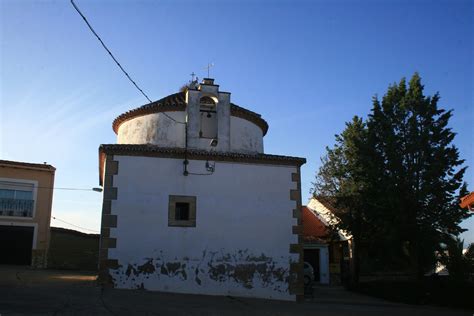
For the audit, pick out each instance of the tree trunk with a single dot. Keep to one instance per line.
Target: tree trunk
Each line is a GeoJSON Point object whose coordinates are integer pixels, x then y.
{"type": "Point", "coordinates": [415, 266]}
{"type": "Point", "coordinates": [355, 262]}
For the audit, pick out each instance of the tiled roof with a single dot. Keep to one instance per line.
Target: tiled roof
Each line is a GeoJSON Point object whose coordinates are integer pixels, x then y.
{"type": "Point", "coordinates": [153, 150]}
{"type": "Point", "coordinates": [173, 102]}
{"type": "Point", "coordinates": [253, 117]}
{"type": "Point", "coordinates": [27, 165]}
{"type": "Point", "coordinates": [178, 153]}
{"type": "Point", "coordinates": [325, 212]}
{"type": "Point", "coordinates": [328, 202]}
{"type": "Point", "coordinates": [177, 102]}
{"type": "Point", "coordinates": [468, 201]}
{"type": "Point", "coordinates": [313, 228]}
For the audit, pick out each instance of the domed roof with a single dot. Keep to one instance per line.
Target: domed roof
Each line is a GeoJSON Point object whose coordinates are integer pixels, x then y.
{"type": "Point", "coordinates": [177, 102]}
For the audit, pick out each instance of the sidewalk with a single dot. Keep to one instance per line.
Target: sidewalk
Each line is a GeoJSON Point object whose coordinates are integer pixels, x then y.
{"type": "Point", "coordinates": [25, 291]}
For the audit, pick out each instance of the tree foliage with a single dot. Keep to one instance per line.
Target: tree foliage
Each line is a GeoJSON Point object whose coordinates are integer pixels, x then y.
{"type": "Point", "coordinates": [396, 178]}
{"type": "Point", "coordinates": [460, 265]}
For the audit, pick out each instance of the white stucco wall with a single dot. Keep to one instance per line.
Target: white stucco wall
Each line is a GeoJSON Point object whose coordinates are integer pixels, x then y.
{"type": "Point", "coordinates": [245, 136]}
{"type": "Point", "coordinates": [240, 245]}
{"type": "Point", "coordinates": [153, 129]}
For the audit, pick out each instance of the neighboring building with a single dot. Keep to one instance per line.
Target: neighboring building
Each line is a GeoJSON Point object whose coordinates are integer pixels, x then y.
{"type": "Point", "coordinates": [468, 201]}
{"type": "Point", "coordinates": [327, 249]}
{"type": "Point", "coordinates": [192, 204]}
{"type": "Point", "coordinates": [26, 197]}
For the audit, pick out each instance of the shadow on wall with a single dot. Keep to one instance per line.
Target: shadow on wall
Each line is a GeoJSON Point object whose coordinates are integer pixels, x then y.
{"type": "Point", "coordinates": [73, 250]}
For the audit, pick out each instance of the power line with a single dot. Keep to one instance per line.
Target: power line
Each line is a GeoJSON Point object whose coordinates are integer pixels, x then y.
{"type": "Point", "coordinates": [91, 230]}
{"type": "Point", "coordinates": [115, 60]}
{"type": "Point", "coordinates": [108, 50]}
{"type": "Point", "coordinates": [32, 186]}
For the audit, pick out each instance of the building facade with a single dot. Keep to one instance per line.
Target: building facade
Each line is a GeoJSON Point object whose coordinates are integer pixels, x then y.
{"type": "Point", "coordinates": [26, 195]}
{"type": "Point", "coordinates": [192, 204]}
{"type": "Point", "coordinates": [327, 249]}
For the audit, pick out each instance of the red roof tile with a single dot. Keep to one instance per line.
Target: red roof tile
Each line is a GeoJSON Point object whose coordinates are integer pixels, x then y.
{"type": "Point", "coordinates": [177, 102]}
{"type": "Point", "coordinates": [468, 201]}
{"type": "Point", "coordinates": [27, 164]}
{"type": "Point", "coordinates": [313, 227]}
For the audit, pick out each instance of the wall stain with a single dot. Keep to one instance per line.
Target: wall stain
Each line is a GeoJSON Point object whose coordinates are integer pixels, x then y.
{"type": "Point", "coordinates": [146, 268]}
{"type": "Point", "coordinates": [130, 270]}
{"type": "Point", "coordinates": [219, 272]}
{"type": "Point", "coordinates": [245, 267]}
{"type": "Point", "coordinates": [241, 267]}
{"type": "Point", "coordinates": [196, 278]}
{"type": "Point", "coordinates": [172, 269]}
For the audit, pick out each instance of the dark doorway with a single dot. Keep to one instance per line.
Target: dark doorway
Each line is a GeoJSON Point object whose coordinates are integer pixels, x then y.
{"type": "Point", "coordinates": [312, 257]}
{"type": "Point", "coordinates": [16, 244]}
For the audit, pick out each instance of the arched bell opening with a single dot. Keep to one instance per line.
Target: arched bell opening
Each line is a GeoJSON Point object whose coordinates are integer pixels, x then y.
{"type": "Point", "coordinates": [208, 117]}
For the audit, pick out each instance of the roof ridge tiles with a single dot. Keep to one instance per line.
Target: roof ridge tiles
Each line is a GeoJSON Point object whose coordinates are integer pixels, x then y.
{"type": "Point", "coordinates": [196, 153]}
{"type": "Point", "coordinates": [177, 102]}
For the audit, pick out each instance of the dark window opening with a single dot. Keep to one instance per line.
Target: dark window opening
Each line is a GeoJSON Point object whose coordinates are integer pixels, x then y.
{"type": "Point", "coordinates": [182, 211]}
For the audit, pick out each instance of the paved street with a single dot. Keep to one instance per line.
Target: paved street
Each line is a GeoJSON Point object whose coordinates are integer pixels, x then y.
{"type": "Point", "coordinates": [34, 292]}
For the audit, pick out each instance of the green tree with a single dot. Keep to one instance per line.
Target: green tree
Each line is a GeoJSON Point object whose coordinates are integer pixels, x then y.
{"type": "Point", "coordinates": [399, 178]}
{"type": "Point", "coordinates": [342, 178]}
{"type": "Point", "coordinates": [460, 266]}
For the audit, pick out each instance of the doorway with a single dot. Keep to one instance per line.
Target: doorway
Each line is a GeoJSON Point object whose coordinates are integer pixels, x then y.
{"type": "Point", "coordinates": [16, 244]}
{"type": "Point", "coordinates": [312, 257]}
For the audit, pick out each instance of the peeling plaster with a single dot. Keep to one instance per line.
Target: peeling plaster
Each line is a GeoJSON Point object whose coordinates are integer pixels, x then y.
{"type": "Point", "coordinates": [241, 268]}
{"type": "Point", "coordinates": [239, 247]}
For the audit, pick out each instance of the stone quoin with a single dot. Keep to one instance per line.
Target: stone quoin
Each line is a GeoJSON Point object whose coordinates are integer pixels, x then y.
{"type": "Point", "coordinates": [192, 204]}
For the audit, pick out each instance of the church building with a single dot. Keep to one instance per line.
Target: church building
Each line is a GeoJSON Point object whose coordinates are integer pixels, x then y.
{"type": "Point", "coordinates": [192, 204]}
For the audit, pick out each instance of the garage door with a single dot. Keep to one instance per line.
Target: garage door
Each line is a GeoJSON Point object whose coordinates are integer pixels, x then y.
{"type": "Point", "coordinates": [15, 244]}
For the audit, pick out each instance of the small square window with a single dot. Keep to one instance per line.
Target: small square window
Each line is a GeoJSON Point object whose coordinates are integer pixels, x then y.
{"type": "Point", "coordinates": [182, 211]}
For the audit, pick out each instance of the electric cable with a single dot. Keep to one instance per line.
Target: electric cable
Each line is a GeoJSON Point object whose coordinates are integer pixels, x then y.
{"type": "Point", "coordinates": [58, 219]}
{"type": "Point", "coordinates": [116, 61]}
{"type": "Point", "coordinates": [108, 50]}
{"type": "Point", "coordinates": [32, 186]}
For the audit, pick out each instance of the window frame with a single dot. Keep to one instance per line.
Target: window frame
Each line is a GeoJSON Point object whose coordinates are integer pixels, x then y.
{"type": "Point", "coordinates": [172, 221]}
{"type": "Point", "coordinates": [34, 189]}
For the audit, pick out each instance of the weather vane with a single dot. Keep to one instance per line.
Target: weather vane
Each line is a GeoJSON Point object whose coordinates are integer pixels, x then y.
{"type": "Point", "coordinates": [209, 65]}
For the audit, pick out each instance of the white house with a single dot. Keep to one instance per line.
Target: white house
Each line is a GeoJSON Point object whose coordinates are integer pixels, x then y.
{"type": "Point", "coordinates": [327, 249]}
{"type": "Point", "coordinates": [192, 204]}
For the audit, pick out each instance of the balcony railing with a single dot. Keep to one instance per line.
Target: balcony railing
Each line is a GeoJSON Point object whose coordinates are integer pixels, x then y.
{"type": "Point", "coordinates": [14, 207]}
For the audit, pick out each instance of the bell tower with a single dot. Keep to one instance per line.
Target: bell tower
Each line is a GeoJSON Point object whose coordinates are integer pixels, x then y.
{"type": "Point", "coordinates": [208, 116]}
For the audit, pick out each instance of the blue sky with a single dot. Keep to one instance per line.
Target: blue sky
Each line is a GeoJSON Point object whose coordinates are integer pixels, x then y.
{"type": "Point", "coordinates": [306, 66]}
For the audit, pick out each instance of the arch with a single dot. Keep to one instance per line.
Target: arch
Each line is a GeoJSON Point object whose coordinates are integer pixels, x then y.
{"type": "Point", "coordinates": [207, 100]}
{"type": "Point", "coordinates": [208, 117]}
